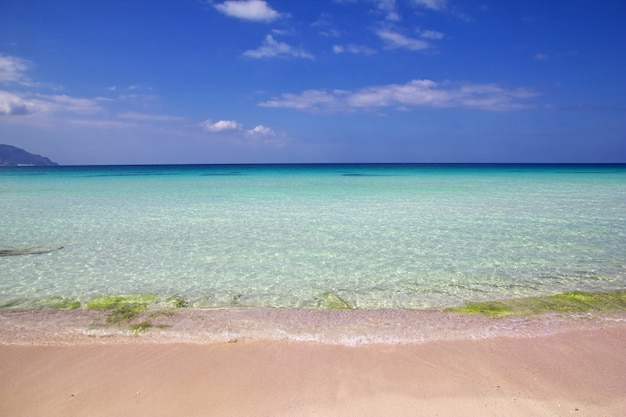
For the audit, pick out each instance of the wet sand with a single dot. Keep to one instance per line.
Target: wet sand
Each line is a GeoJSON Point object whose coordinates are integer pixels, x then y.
{"type": "Point", "coordinates": [577, 370]}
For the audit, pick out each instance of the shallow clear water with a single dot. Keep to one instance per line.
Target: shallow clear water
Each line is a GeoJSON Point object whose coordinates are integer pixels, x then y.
{"type": "Point", "coordinates": [380, 236]}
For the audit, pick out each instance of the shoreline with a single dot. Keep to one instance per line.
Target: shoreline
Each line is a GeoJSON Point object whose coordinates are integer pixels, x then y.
{"type": "Point", "coordinates": [41, 326]}
{"type": "Point", "coordinates": [577, 371]}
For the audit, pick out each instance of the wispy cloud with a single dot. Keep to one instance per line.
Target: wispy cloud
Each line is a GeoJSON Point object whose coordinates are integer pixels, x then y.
{"type": "Point", "coordinates": [353, 49]}
{"type": "Point", "coordinates": [397, 40]}
{"type": "Point", "coordinates": [388, 7]}
{"type": "Point", "coordinates": [431, 4]}
{"type": "Point", "coordinates": [252, 10]}
{"type": "Point", "coordinates": [325, 26]}
{"type": "Point", "coordinates": [23, 105]}
{"type": "Point", "coordinates": [147, 117]}
{"type": "Point", "coordinates": [13, 70]}
{"type": "Point", "coordinates": [415, 93]}
{"type": "Point", "coordinates": [431, 34]}
{"type": "Point", "coordinates": [65, 103]}
{"type": "Point", "coordinates": [314, 100]}
{"type": "Point", "coordinates": [272, 48]}
{"type": "Point", "coordinates": [390, 10]}
{"type": "Point", "coordinates": [541, 57]}
{"type": "Point", "coordinates": [28, 103]}
{"type": "Point", "coordinates": [101, 123]}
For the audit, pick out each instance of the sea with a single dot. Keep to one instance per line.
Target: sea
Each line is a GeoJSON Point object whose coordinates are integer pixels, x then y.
{"type": "Point", "coordinates": [378, 236]}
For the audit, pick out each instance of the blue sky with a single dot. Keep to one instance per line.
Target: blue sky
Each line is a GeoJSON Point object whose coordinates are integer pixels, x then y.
{"type": "Point", "coordinates": [244, 81]}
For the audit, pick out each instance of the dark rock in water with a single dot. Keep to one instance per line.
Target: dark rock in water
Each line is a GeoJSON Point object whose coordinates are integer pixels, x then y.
{"type": "Point", "coordinates": [10, 156]}
{"type": "Point", "coordinates": [27, 251]}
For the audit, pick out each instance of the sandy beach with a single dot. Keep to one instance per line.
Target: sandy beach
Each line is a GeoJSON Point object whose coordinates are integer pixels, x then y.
{"type": "Point", "coordinates": [575, 371]}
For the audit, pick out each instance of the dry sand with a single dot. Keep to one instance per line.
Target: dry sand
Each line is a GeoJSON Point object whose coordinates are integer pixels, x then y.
{"type": "Point", "coordinates": [571, 373]}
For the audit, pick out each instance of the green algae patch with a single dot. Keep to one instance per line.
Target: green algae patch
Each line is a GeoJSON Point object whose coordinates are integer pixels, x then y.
{"type": "Point", "coordinates": [569, 302]}
{"type": "Point", "coordinates": [141, 327]}
{"type": "Point", "coordinates": [177, 302]}
{"type": "Point", "coordinates": [125, 313]}
{"type": "Point", "coordinates": [163, 312]}
{"type": "Point", "coordinates": [332, 301]}
{"type": "Point", "coordinates": [145, 326]}
{"type": "Point", "coordinates": [124, 309]}
{"type": "Point", "coordinates": [491, 308]}
{"type": "Point", "coordinates": [12, 303]}
{"type": "Point", "coordinates": [57, 302]}
{"type": "Point", "coordinates": [121, 308]}
{"type": "Point", "coordinates": [110, 302]}
{"type": "Point", "coordinates": [53, 302]}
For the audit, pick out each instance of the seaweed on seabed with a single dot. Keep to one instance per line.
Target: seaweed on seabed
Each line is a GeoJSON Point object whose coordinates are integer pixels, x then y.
{"type": "Point", "coordinates": [57, 302]}
{"type": "Point", "coordinates": [177, 302]}
{"type": "Point", "coordinates": [491, 308]}
{"type": "Point", "coordinates": [568, 302]}
{"type": "Point", "coordinates": [126, 308]}
{"type": "Point", "coordinates": [145, 326]}
{"type": "Point", "coordinates": [53, 302]}
{"type": "Point", "coordinates": [12, 303]}
{"type": "Point", "coordinates": [121, 308]}
{"type": "Point", "coordinates": [332, 301]}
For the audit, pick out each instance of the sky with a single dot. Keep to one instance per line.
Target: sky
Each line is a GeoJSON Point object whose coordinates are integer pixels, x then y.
{"type": "Point", "coordinates": [297, 81]}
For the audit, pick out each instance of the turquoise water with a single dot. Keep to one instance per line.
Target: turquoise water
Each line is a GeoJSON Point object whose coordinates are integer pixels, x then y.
{"type": "Point", "coordinates": [379, 236]}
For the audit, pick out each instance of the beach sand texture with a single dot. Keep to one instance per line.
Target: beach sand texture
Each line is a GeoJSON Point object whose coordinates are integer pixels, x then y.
{"type": "Point", "coordinates": [573, 373]}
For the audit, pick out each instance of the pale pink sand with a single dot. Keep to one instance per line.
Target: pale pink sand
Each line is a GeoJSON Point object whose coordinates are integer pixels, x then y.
{"type": "Point", "coordinates": [572, 373]}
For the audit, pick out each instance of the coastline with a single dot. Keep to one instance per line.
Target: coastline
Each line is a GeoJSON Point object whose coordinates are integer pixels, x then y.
{"type": "Point", "coordinates": [58, 327]}
{"type": "Point", "coordinates": [548, 366]}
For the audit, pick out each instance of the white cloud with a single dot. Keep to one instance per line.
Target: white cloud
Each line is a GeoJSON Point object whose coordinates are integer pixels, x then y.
{"type": "Point", "coordinates": [254, 10]}
{"type": "Point", "coordinates": [273, 48]}
{"type": "Point", "coordinates": [415, 93]}
{"type": "Point", "coordinates": [15, 104]}
{"type": "Point", "coordinates": [431, 34]}
{"type": "Point", "coordinates": [101, 123]}
{"type": "Point", "coordinates": [64, 103]}
{"type": "Point", "coordinates": [233, 132]}
{"type": "Point", "coordinates": [12, 69]}
{"type": "Point", "coordinates": [220, 126]}
{"type": "Point", "coordinates": [62, 108]}
{"type": "Point", "coordinates": [148, 117]}
{"type": "Point", "coordinates": [12, 105]}
{"type": "Point", "coordinates": [330, 33]}
{"type": "Point", "coordinates": [308, 100]}
{"type": "Point", "coordinates": [542, 57]}
{"type": "Point", "coordinates": [353, 49]}
{"type": "Point", "coordinates": [389, 8]}
{"type": "Point", "coordinates": [398, 40]}
{"type": "Point", "coordinates": [431, 4]}
{"type": "Point", "coordinates": [443, 6]}
{"type": "Point", "coordinates": [261, 130]}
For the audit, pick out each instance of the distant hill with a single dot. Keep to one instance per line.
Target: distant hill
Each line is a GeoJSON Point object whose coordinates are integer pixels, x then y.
{"type": "Point", "coordinates": [10, 156]}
